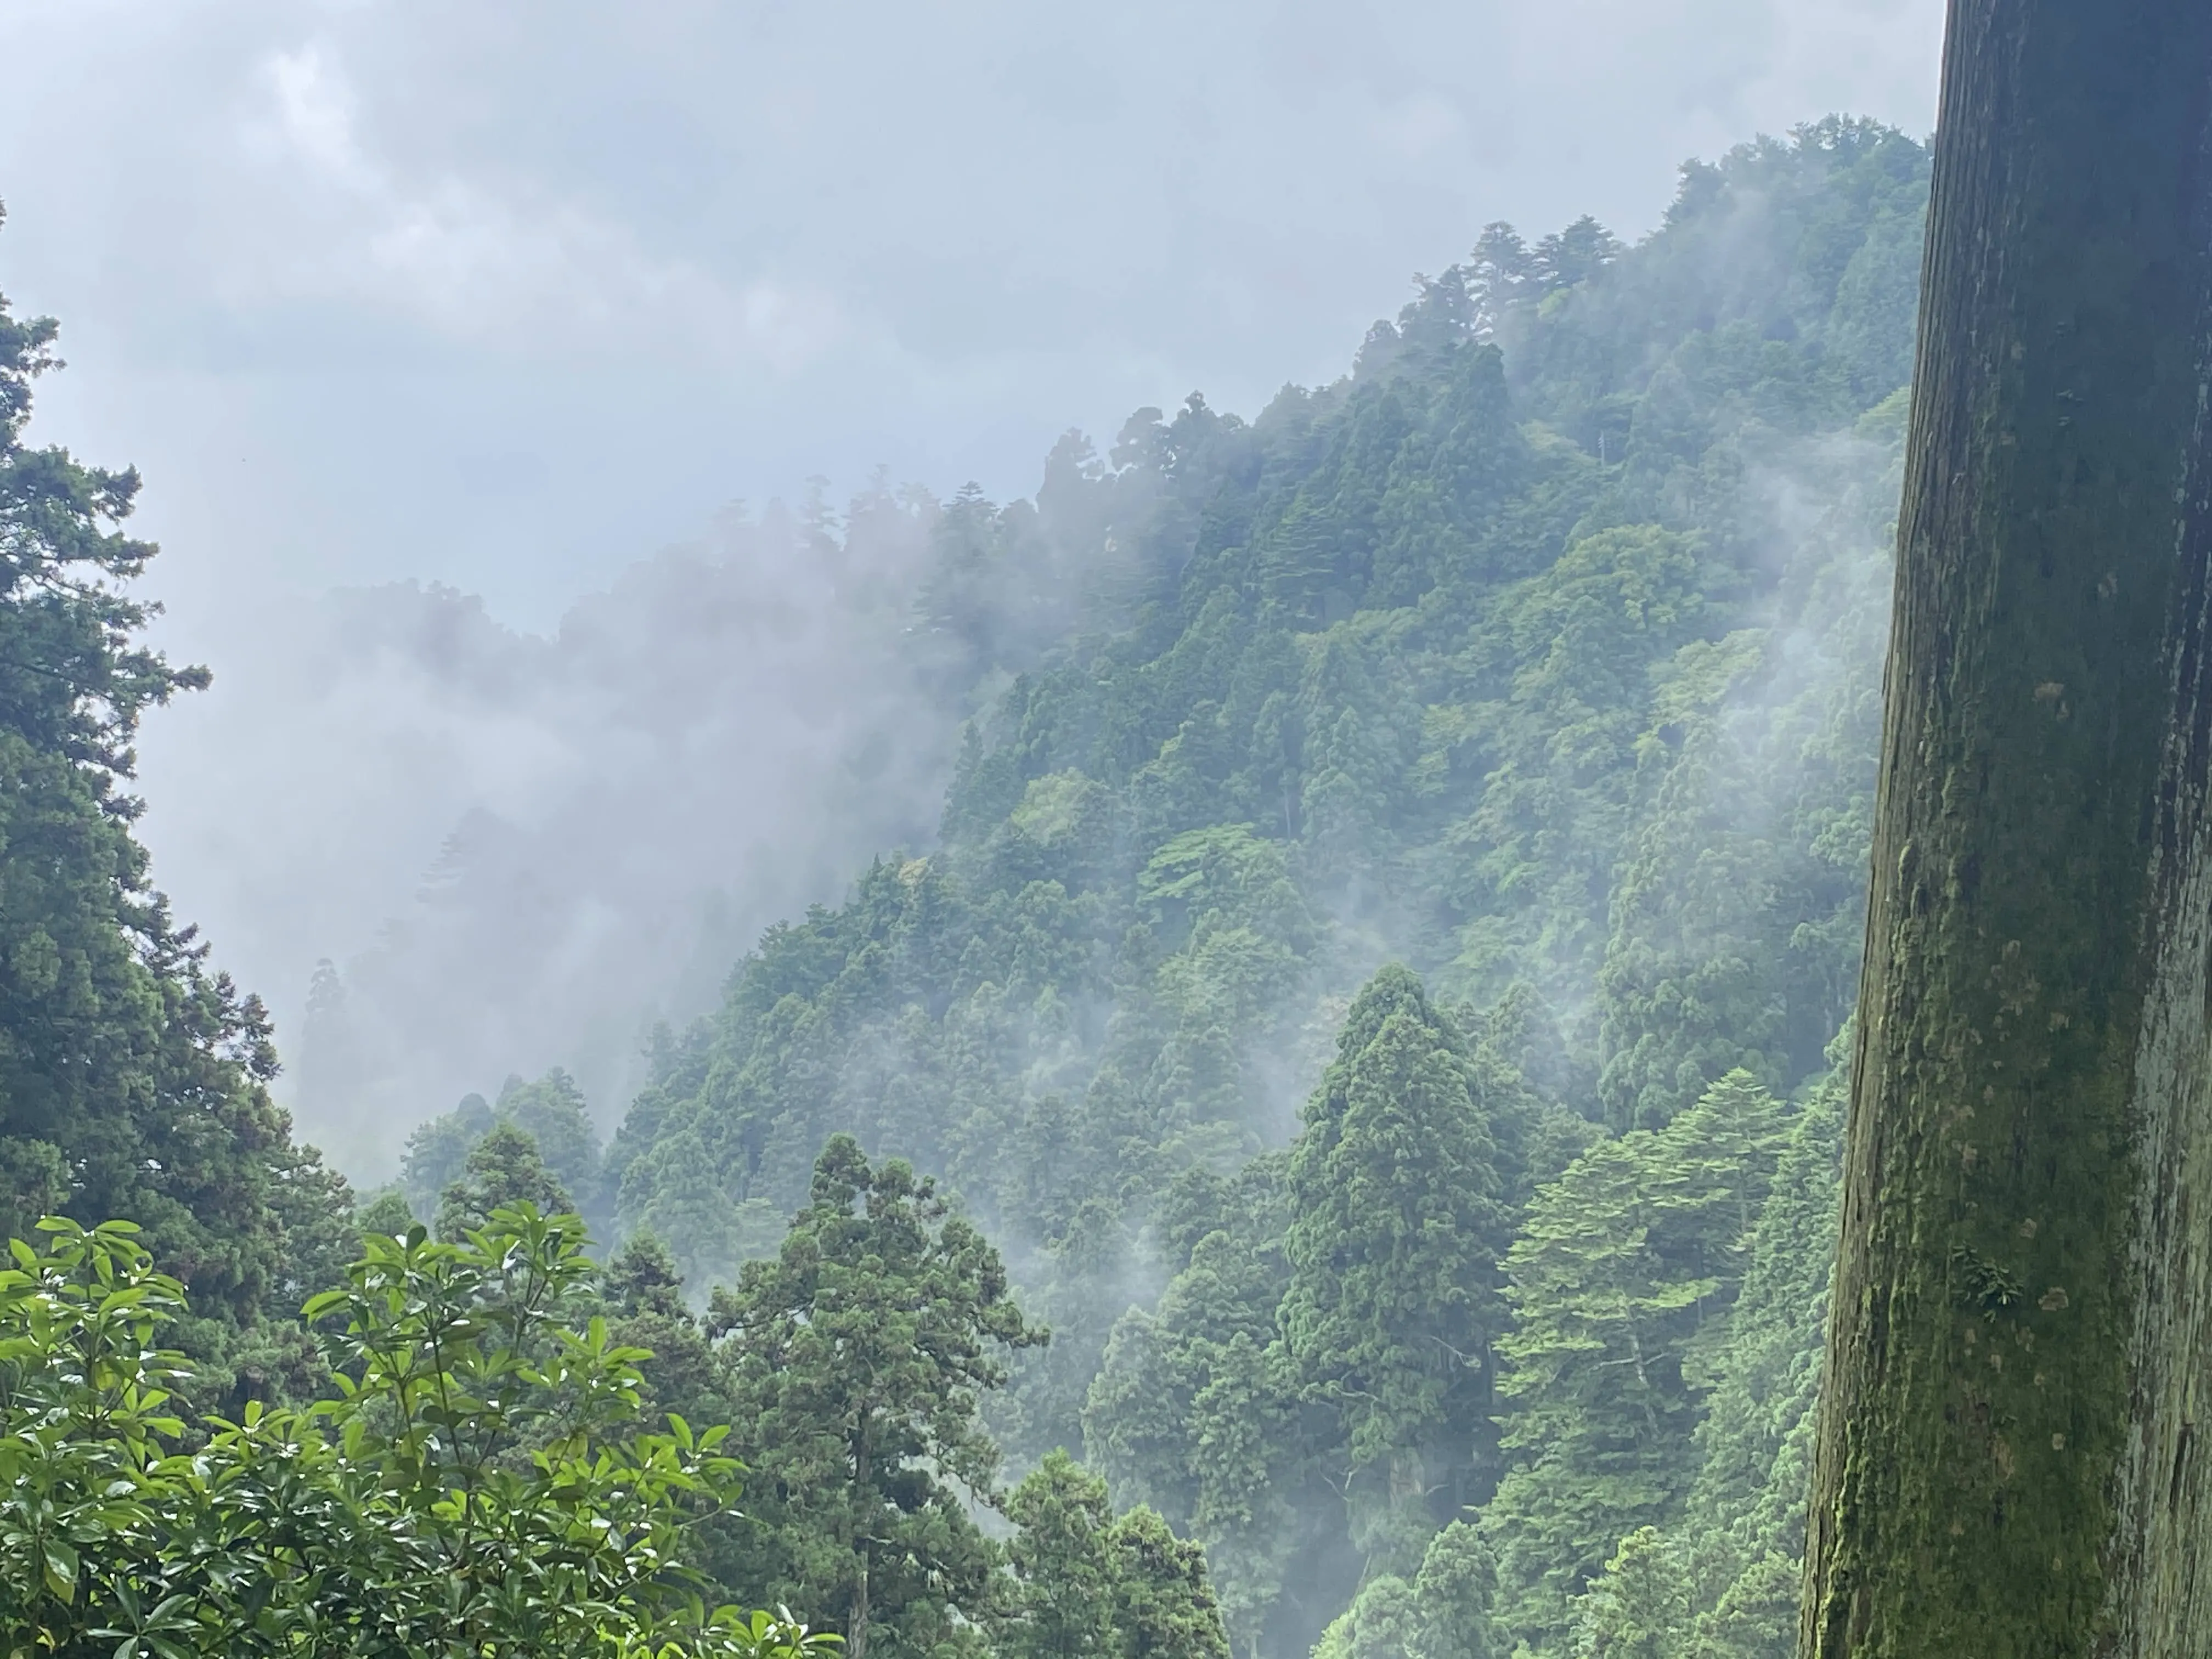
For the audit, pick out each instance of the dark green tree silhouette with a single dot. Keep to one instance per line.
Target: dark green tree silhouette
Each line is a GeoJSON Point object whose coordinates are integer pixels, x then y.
{"type": "Point", "coordinates": [857, 1360]}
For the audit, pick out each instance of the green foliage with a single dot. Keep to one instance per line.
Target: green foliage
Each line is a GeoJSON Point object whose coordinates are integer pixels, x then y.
{"type": "Point", "coordinates": [503, 1169]}
{"type": "Point", "coordinates": [1453, 1592]}
{"type": "Point", "coordinates": [1444, 1613]}
{"type": "Point", "coordinates": [1721, 1579]}
{"type": "Point", "coordinates": [1397, 1223]}
{"type": "Point", "coordinates": [1516, 653]}
{"type": "Point", "coordinates": [1619, 1280]}
{"type": "Point", "coordinates": [856, 1360]}
{"type": "Point", "coordinates": [1165, 1609]}
{"type": "Point", "coordinates": [387, 1213]}
{"type": "Point", "coordinates": [1537, 653]}
{"type": "Point", "coordinates": [1065, 1574]}
{"type": "Point", "coordinates": [1638, 1608]}
{"type": "Point", "coordinates": [1540, 653]}
{"type": "Point", "coordinates": [1194, 1408]}
{"type": "Point", "coordinates": [473, 1488]}
{"type": "Point", "coordinates": [1086, 1582]}
{"type": "Point", "coordinates": [550, 1113]}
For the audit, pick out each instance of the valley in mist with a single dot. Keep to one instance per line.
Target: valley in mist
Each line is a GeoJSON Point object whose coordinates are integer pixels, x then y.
{"type": "Point", "coordinates": [472, 850]}
{"type": "Point", "coordinates": [1260, 1025]}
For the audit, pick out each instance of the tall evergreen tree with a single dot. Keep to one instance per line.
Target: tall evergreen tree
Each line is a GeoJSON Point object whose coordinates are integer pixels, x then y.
{"type": "Point", "coordinates": [1194, 1412]}
{"type": "Point", "coordinates": [504, 1169]}
{"type": "Point", "coordinates": [1165, 1607]}
{"type": "Point", "coordinates": [550, 1110]}
{"type": "Point", "coordinates": [1395, 1230]}
{"type": "Point", "coordinates": [133, 1076]}
{"type": "Point", "coordinates": [1638, 1608]}
{"type": "Point", "coordinates": [1444, 1613]}
{"type": "Point", "coordinates": [856, 1361]}
{"type": "Point", "coordinates": [1455, 1591]}
{"type": "Point", "coordinates": [1194, 1408]}
{"type": "Point", "coordinates": [1619, 1280]}
{"type": "Point", "coordinates": [1087, 1582]}
{"type": "Point", "coordinates": [1065, 1585]}
{"type": "Point", "coordinates": [1744, 1524]}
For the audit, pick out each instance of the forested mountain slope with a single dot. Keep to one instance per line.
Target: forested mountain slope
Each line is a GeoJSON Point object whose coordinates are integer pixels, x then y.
{"type": "Point", "coordinates": [1373, 997]}
{"type": "Point", "coordinates": [1540, 655]}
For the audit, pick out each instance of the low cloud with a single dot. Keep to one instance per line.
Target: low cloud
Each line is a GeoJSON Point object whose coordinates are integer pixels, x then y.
{"type": "Point", "coordinates": [505, 263]}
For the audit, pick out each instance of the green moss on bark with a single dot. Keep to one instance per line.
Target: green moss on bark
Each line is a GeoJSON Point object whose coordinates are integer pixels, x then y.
{"type": "Point", "coordinates": [1998, 1313]}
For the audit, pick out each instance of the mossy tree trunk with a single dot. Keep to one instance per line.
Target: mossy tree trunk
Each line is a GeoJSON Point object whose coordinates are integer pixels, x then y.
{"type": "Point", "coordinates": [2010, 1463]}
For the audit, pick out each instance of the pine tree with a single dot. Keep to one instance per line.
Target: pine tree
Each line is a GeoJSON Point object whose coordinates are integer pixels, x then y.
{"type": "Point", "coordinates": [855, 1363]}
{"type": "Point", "coordinates": [1618, 1280]}
{"type": "Point", "coordinates": [388, 1215]}
{"type": "Point", "coordinates": [133, 1076]}
{"type": "Point", "coordinates": [505, 1169]}
{"type": "Point", "coordinates": [681, 1372]}
{"type": "Point", "coordinates": [1395, 1234]}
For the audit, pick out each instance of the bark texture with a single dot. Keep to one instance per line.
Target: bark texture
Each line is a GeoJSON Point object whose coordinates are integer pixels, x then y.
{"type": "Point", "coordinates": [2009, 1462]}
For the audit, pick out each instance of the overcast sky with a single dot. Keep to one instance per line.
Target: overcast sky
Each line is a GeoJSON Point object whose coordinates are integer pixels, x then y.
{"type": "Point", "coordinates": [509, 295]}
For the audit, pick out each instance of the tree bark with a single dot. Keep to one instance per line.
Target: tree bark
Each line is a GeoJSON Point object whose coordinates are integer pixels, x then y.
{"type": "Point", "coordinates": [863, 1547]}
{"type": "Point", "coordinates": [2021, 1340]}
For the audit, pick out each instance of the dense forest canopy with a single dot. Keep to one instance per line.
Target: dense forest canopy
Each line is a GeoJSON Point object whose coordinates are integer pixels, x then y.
{"type": "Point", "coordinates": [1373, 998]}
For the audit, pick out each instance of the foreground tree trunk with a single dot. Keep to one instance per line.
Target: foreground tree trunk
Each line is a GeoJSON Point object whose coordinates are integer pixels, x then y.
{"type": "Point", "coordinates": [2010, 1461]}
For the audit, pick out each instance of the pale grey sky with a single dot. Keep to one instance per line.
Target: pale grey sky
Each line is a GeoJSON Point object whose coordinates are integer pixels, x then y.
{"type": "Point", "coordinates": [508, 294]}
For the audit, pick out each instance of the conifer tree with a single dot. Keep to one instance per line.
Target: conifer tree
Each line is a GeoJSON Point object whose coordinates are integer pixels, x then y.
{"type": "Point", "coordinates": [1744, 1522]}
{"type": "Point", "coordinates": [1382, 1622]}
{"type": "Point", "coordinates": [133, 1076]}
{"type": "Point", "coordinates": [1087, 1582]}
{"type": "Point", "coordinates": [645, 1310]}
{"type": "Point", "coordinates": [1638, 1608]}
{"type": "Point", "coordinates": [550, 1110]}
{"type": "Point", "coordinates": [856, 1361]}
{"type": "Point", "coordinates": [1454, 1590]}
{"type": "Point", "coordinates": [1396, 1227]}
{"type": "Point", "coordinates": [1443, 1613]}
{"type": "Point", "coordinates": [1618, 1280]}
{"type": "Point", "coordinates": [553, 1112]}
{"type": "Point", "coordinates": [1165, 1607]}
{"type": "Point", "coordinates": [503, 1169]}
{"type": "Point", "coordinates": [1066, 1581]}
{"type": "Point", "coordinates": [1194, 1413]}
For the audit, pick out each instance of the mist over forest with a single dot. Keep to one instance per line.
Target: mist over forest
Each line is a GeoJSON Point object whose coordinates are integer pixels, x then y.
{"type": "Point", "coordinates": [1344, 913]}
{"type": "Point", "coordinates": [604, 819]}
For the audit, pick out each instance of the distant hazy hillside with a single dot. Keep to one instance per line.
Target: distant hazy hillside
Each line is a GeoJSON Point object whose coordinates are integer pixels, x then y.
{"type": "Point", "coordinates": [624, 806]}
{"type": "Point", "coordinates": [1540, 651]}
